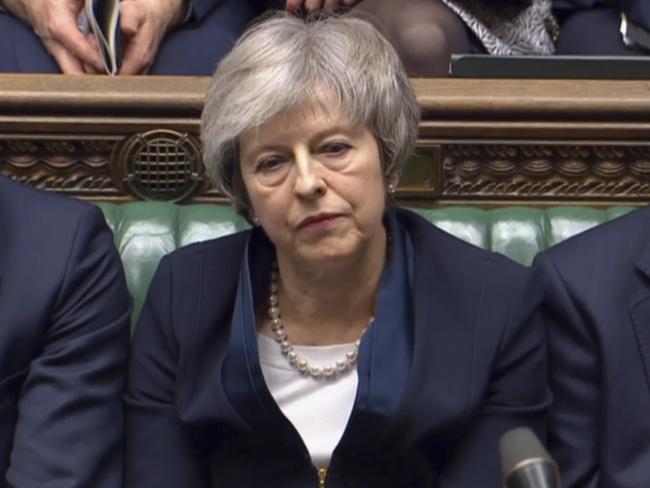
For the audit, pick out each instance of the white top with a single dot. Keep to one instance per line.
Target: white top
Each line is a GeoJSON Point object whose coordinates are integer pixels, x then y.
{"type": "Point", "coordinates": [319, 409]}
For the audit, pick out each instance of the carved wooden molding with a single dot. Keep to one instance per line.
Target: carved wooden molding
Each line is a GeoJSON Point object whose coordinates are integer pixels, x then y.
{"type": "Point", "coordinates": [74, 166]}
{"type": "Point", "coordinates": [528, 171]}
{"type": "Point", "coordinates": [90, 167]}
{"type": "Point", "coordinates": [95, 168]}
{"type": "Point", "coordinates": [492, 141]}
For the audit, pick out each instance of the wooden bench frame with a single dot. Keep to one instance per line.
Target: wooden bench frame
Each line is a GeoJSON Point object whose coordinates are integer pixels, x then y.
{"type": "Point", "coordinates": [482, 142]}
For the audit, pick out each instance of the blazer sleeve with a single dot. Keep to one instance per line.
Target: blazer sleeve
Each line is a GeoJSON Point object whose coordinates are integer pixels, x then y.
{"type": "Point", "coordinates": [69, 428]}
{"type": "Point", "coordinates": [574, 380]}
{"type": "Point", "coordinates": [159, 451]}
{"type": "Point", "coordinates": [517, 393]}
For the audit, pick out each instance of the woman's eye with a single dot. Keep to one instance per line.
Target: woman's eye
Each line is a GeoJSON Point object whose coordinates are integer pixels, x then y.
{"type": "Point", "coordinates": [335, 148]}
{"type": "Point", "coordinates": [269, 164]}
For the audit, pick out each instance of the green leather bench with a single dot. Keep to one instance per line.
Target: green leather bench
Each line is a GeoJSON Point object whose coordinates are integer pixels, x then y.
{"type": "Point", "coordinates": [145, 231]}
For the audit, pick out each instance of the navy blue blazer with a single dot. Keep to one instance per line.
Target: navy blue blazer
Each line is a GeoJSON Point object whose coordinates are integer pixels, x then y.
{"type": "Point", "coordinates": [198, 415]}
{"type": "Point", "coordinates": [64, 335]}
{"type": "Point", "coordinates": [597, 306]}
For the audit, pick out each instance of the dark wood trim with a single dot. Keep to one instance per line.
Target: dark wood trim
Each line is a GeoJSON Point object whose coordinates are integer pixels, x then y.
{"type": "Point", "coordinates": [487, 142]}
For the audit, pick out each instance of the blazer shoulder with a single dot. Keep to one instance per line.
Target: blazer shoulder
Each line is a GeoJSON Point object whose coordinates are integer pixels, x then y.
{"type": "Point", "coordinates": [447, 266]}
{"type": "Point", "coordinates": [432, 240]}
{"type": "Point", "coordinates": [220, 258]}
{"type": "Point", "coordinates": [217, 248]}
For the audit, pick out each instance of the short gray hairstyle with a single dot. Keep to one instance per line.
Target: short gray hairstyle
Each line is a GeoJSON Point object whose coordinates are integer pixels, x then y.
{"type": "Point", "coordinates": [285, 61]}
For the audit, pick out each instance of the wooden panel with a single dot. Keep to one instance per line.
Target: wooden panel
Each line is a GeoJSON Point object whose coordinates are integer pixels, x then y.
{"type": "Point", "coordinates": [491, 142]}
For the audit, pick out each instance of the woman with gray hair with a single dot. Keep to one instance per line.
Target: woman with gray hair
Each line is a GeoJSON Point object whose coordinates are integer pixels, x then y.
{"type": "Point", "coordinates": [341, 341]}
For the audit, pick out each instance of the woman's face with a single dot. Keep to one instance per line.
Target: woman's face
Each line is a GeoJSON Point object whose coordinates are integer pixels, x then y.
{"type": "Point", "coordinates": [315, 183]}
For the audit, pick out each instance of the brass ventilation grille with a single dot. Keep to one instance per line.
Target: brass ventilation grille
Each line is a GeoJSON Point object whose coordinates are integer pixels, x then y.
{"type": "Point", "coordinates": [159, 165]}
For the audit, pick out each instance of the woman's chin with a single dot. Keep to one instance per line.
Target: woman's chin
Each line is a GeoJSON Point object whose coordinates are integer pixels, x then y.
{"type": "Point", "coordinates": [326, 257]}
{"type": "Point", "coordinates": [327, 253]}
{"type": "Point", "coordinates": [335, 249]}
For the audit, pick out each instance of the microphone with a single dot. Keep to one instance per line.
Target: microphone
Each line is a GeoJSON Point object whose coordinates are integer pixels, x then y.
{"type": "Point", "coordinates": [524, 461]}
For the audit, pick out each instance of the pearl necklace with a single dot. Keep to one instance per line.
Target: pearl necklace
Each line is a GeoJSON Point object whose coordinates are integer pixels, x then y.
{"type": "Point", "coordinates": [296, 361]}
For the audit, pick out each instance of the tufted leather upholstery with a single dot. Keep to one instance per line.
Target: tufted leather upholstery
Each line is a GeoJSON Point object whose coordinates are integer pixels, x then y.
{"type": "Point", "coordinates": [145, 231]}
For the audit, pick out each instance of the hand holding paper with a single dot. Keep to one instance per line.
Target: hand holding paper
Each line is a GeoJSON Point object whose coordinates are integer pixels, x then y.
{"type": "Point", "coordinates": [144, 24]}
{"type": "Point", "coordinates": [55, 22]}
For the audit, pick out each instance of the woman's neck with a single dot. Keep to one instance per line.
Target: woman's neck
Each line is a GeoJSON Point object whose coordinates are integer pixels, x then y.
{"type": "Point", "coordinates": [333, 302]}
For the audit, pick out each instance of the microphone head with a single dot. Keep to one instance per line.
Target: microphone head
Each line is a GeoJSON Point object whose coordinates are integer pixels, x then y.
{"type": "Point", "coordinates": [524, 461]}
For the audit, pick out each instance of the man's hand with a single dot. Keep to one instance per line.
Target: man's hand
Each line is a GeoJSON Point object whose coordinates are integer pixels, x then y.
{"type": "Point", "coordinates": [55, 22]}
{"type": "Point", "coordinates": [144, 24]}
{"type": "Point", "coordinates": [313, 5]}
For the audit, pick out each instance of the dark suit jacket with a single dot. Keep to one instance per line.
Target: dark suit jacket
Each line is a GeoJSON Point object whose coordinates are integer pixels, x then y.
{"type": "Point", "coordinates": [64, 332]}
{"type": "Point", "coordinates": [636, 10]}
{"type": "Point", "coordinates": [598, 310]}
{"type": "Point", "coordinates": [198, 409]}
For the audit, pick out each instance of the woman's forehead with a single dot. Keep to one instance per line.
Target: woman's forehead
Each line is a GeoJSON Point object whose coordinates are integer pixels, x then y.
{"type": "Point", "coordinates": [310, 111]}
{"type": "Point", "coordinates": [312, 116]}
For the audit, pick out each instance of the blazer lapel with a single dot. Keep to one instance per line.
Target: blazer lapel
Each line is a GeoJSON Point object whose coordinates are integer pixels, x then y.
{"type": "Point", "coordinates": [384, 356]}
{"type": "Point", "coordinates": [444, 337]}
{"type": "Point", "coordinates": [242, 373]}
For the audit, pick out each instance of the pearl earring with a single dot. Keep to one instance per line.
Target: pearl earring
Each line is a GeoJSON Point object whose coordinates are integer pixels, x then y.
{"type": "Point", "coordinates": [392, 188]}
{"type": "Point", "coordinates": [256, 221]}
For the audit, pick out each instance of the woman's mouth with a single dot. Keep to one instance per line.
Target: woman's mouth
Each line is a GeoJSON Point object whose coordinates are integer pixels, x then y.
{"type": "Point", "coordinates": [318, 221]}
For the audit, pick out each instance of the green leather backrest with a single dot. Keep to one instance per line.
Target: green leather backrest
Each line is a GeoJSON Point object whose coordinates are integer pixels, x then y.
{"type": "Point", "coordinates": [146, 231]}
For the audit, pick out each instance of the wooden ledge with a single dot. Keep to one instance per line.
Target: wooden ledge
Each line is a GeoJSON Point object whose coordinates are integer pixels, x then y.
{"type": "Point", "coordinates": [440, 98]}
{"type": "Point", "coordinates": [524, 99]}
{"type": "Point", "coordinates": [128, 95]}
{"type": "Point", "coordinates": [481, 140]}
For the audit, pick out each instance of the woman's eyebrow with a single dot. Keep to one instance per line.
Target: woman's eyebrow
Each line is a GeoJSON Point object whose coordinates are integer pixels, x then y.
{"type": "Point", "coordinates": [347, 130]}
{"type": "Point", "coordinates": [252, 154]}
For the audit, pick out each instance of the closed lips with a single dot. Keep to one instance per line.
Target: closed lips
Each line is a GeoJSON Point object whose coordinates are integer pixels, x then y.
{"type": "Point", "coordinates": [317, 218]}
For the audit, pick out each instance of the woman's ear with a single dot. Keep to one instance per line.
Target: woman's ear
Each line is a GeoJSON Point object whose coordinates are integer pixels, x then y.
{"type": "Point", "coordinates": [391, 184]}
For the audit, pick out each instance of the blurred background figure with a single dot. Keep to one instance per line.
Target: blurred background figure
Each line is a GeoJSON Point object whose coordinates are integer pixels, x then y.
{"type": "Point", "coordinates": [426, 32]}
{"type": "Point", "coordinates": [64, 315]}
{"type": "Point", "coordinates": [189, 37]}
{"type": "Point", "coordinates": [182, 37]}
{"type": "Point", "coordinates": [594, 27]}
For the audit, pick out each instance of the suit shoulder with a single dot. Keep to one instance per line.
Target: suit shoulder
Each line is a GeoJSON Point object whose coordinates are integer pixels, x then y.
{"type": "Point", "coordinates": [51, 223]}
{"type": "Point", "coordinates": [606, 257]}
{"type": "Point", "coordinates": [624, 237]}
{"type": "Point", "coordinates": [30, 202]}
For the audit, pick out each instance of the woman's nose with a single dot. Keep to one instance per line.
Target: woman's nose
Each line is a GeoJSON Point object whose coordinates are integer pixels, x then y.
{"type": "Point", "coordinates": [309, 181]}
